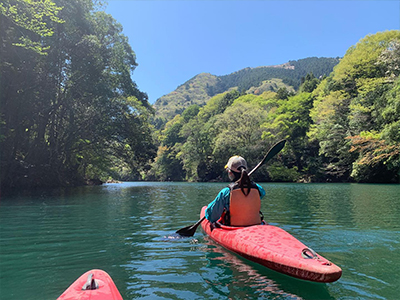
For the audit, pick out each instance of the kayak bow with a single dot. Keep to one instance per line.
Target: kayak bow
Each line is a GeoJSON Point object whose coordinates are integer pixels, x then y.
{"type": "Point", "coordinates": [275, 249]}
{"type": "Point", "coordinates": [93, 285]}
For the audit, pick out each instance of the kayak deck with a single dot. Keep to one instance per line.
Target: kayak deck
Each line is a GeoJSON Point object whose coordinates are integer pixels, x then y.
{"type": "Point", "coordinates": [274, 248]}
{"type": "Point", "coordinates": [92, 285]}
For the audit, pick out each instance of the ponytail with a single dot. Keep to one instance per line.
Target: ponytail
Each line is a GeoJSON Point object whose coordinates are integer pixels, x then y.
{"type": "Point", "coordinates": [244, 182]}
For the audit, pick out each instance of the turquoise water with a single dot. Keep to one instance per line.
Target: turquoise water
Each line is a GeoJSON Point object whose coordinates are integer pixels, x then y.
{"type": "Point", "coordinates": [49, 238]}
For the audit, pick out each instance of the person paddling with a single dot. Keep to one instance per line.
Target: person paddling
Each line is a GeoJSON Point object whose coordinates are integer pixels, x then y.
{"type": "Point", "coordinates": [240, 202]}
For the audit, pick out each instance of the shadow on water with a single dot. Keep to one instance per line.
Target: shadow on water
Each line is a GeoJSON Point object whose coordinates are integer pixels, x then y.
{"type": "Point", "coordinates": [234, 277]}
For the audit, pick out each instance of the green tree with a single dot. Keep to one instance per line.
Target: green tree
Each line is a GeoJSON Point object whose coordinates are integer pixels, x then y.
{"type": "Point", "coordinates": [239, 132]}
{"type": "Point", "coordinates": [198, 161]}
{"type": "Point", "coordinates": [25, 23]}
{"type": "Point", "coordinates": [352, 100]}
{"type": "Point", "coordinates": [309, 83]}
{"type": "Point", "coordinates": [70, 115]}
{"type": "Point", "coordinates": [389, 60]}
{"type": "Point", "coordinates": [282, 93]}
{"type": "Point", "coordinates": [291, 120]}
{"type": "Point", "coordinates": [378, 161]}
{"type": "Point", "coordinates": [391, 114]}
{"type": "Point", "coordinates": [168, 165]}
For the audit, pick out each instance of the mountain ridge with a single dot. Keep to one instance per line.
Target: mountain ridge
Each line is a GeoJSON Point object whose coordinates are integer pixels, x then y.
{"type": "Point", "coordinates": [202, 87]}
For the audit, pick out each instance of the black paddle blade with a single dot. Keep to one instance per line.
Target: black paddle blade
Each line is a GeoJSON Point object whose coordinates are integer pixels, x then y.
{"type": "Point", "coordinates": [189, 230]}
{"type": "Point", "coordinates": [275, 149]}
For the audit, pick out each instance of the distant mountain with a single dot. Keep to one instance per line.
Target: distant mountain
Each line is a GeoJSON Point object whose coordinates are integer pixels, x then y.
{"type": "Point", "coordinates": [202, 87]}
{"type": "Point", "coordinates": [194, 91]}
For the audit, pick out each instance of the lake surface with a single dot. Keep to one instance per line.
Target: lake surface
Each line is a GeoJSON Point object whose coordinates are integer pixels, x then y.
{"type": "Point", "coordinates": [49, 238]}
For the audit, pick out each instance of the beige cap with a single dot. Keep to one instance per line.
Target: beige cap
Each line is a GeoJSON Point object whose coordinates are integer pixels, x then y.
{"type": "Point", "coordinates": [235, 162]}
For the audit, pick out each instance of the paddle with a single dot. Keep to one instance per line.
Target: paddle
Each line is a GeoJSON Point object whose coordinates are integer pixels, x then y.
{"type": "Point", "coordinates": [191, 229]}
{"type": "Point", "coordinates": [271, 153]}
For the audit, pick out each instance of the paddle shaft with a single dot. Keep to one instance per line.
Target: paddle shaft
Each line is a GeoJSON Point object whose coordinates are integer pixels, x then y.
{"type": "Point", "coordinates": [190, 230]}
{"type": "Point", "coordinates": [271, 153]}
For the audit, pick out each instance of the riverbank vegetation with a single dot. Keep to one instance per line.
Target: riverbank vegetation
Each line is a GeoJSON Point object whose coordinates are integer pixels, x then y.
{"type": "Point", "coordinates": [71, 113]}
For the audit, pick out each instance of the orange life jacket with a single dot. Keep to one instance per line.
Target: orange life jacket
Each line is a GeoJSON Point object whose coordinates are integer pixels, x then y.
{"type": "Point", "coordinates": [244, 210]}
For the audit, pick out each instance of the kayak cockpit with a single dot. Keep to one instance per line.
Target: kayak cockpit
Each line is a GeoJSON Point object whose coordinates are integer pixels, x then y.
{"type": "Point", "coordinates": [218, 224]}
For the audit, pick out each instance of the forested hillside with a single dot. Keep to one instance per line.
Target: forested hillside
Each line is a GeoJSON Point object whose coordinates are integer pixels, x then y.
{"type": "Point", "coordinates": [345, 127]}
{"type": "Point", "coordinates": [71, 114]}
{"type": "Point", "coordinates": [202, 87]}
{"type": "Point", "coordinates": [194, 91]}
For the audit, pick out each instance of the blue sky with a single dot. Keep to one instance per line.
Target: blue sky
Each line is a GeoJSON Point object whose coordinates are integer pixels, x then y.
{"type": "Point", "coordinates": [176, 40]}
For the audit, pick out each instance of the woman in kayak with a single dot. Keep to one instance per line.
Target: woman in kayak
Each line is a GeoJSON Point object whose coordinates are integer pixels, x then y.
{"type": "Point", "coordinates": [240, 202]}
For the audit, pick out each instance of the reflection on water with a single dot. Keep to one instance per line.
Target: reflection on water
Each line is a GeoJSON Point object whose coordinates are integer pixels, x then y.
{"type": "Point", "coordinates": [243, 274]}
{"type": "Point", "coordinates": [248, 278]}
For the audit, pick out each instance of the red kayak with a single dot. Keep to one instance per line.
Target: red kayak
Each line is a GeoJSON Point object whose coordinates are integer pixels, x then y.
{"type": "Point", "coordinates": [274, 248]}
{"type": "Point", "coordinates": [93, 285]}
